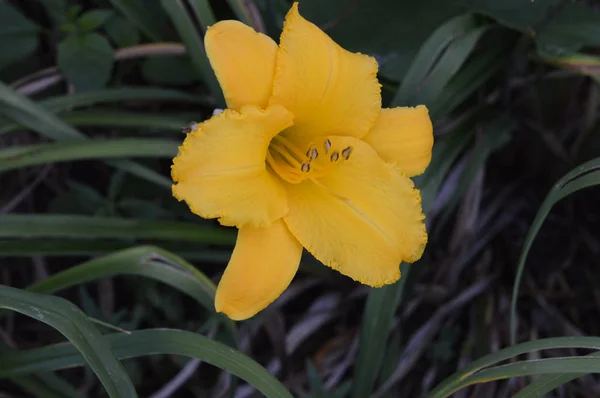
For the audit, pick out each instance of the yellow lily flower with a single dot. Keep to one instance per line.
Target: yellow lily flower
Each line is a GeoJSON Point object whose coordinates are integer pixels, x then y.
{"type": "Point", "coordinates": [304, 156]}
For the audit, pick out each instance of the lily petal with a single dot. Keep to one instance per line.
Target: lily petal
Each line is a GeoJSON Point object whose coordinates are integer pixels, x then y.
{"type": "Point", "coordinates": [403, 136]}
{"type": "Point", "coordinates": [328, 89]}
{"type": "Point", "coordinates": [362, 219]}
{"type": "Point", "coordinates": [262, 266]}
{"type": "Point", "coordinates": [244, 62]}
{"type": "Point", "coordinates": [220, 169]}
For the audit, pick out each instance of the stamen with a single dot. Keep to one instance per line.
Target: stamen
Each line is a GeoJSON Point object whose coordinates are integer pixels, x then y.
{"type": "Point", "coordinates": [335, 156]}
{"type": "Point", "coordinates": [346, 152]}
{"type": "Point", "coordinates": [288, 174]}
{"type": "Point", "coordinates": [327, 146]}
{"type": "Point", "coordinates": [283, 151]}
{"type": "Point", "coordinates": [305, 167]}
{"type": "Point", "coordinates": [313, 154]}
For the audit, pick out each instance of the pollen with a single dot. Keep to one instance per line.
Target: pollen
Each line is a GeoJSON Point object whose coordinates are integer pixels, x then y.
{"type": "Point", "coordinates": [327, 146]}
{"type": "Point", "coordinates": [313, 154]}
{"type": "Point", "coordinates": [335, 156]}
{"type": "Point", "coordinates": [346, 153]}
{"type": "Point", "coordinates": [305, 167]}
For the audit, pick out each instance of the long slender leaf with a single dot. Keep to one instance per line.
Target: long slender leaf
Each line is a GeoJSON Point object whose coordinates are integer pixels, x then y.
{"type": "Point", "coordinates": [448, 65]}
{"type": "Point", "coordinates": [80, 248]}
{"type": "Point", "coordinates": [584, 176]}
{"type": "Point", "coordinates": [547, 383]}
{"type": "Point", "coordinates": [140, 17]}
{"type": "Point", "coordinates": [74, 325]}
{"type": "Point", "coordinates": [60, 103]}
{"type": "Point", "coordinates": [81, 227]}
{"type": "Point", "coordinates": [571, 365]}
{"type": "Point", "coordinates": [148, 122]}
{"type": "Point", "coordinates": [240, 9]}
{"type": "Point", "coordinates": [149, 261]}
{"type": "Point", "coordinates": [203, 12]}
{"type": "Point", "coordinates": [194, 46]}
{"type": "Point", "coordinates": [25, 112]}
{"type": "Point", "coordinates": [32, 155]}
{"type": "Point", "coordinates": [448, 385]}
{"type": "Point", "coordinates": [428, 54]}
{"type": "Point", "coordinates": [150, 342]}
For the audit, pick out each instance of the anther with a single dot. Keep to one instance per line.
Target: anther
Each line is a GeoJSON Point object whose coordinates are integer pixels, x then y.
{"type": "Point", "coordinates": [313, 154]}
{"type": "Point", "coordinates": [305, 167]}
{"type": "Point", "coordinates": [346, 152]}
{"type": "Point", "coordinates": [327, 146]}
{"type": "Point", "coordinates": [335, 156]}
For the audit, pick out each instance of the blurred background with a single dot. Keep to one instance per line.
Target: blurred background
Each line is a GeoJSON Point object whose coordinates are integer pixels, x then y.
{"type": "Point", "coordinates": [94, 95]}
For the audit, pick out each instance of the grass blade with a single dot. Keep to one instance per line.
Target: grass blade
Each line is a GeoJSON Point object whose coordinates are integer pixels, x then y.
{"type": "Point", "coordinates": [150, 342]}
{"type": "Point", "coordinates": [82, 248]}
{"type": "Point", "coordinates": [447, 66]}
{"type": "Point", "coordinates": [82, 227]}
{"type": "Point", "coordinates": [204, 12]}
{"type": "Point", "coordinates": [74, 325]}
{"type": "Point", "coordinates": [241, 11]}
{"type": "Point", "coordinates": [427, 56]}
{"type": "Point", "coordinates": [32, 155]}
{"type": "Point", "coordinates": [194, 46]}
{"type": "Point", "coordinates": [583, 176]}
{"type": "Point", "coordinates": [445, 388]}
{"type": "Point", "coordinates": [140, 17]}
{"type": "Point", "coordinates": [148, 261]}
{"type": "Point", "coordinates": [25, 112]}
{"type": "Point", "coordinates": [547, 383]}
{"type": "Point", "coordinates": [61, 103]}
{"type": "Point", "coordinates": [572, 365]}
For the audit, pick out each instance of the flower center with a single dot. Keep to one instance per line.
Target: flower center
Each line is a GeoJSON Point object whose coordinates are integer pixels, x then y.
{"type": "Point", "coordinates": [295, 165]}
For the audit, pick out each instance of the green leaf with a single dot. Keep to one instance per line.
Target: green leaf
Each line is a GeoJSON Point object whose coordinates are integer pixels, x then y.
{"type": "Point", "coordinates": [555, 24]}
{"type": "Point", "coordinates": [150, 342]}
{"type": "Point", "coordinates": [31, 155]}
{"type": "Point", "coordinates": [18, 35]}
{"type": "Point", "coordinates": [241, 11]}
{"type": "Point", "coordinates": [472, 370]}
{"type": "Point", "coordinates": [150, 123]}
{"type": "Point", "coordinates": [547, 383]}
{"type": "Point", "coordinates": [169, 70]}
{"type": "Point", "coordinates": [60, 103]}
{"type": "Point", "coordinates": [122, 32]}
{"type": "Point", "coordinates": [440, 57]}
{"type": "Point", "coordinates": [139, 14]}
{"type": "Point", "coordinates": [86, 61]}
{"type": "Point", "coordinates": [25, 112]}
{"type": "Point", "coordinates": [584, 176]}
{"type": "Point", "coordinates": [74, 325]}
{"type": "Point", "coordinates": [194, 46]}
{"type": "Point", "coordinates": [475, 72]}
{"type": "Point", "coordinates": [203, 12]}
{"type": "Point", "coordinates": [56, 9]}
{"type": "Point", "coordinates": [82, 227]}
{"type": "Point", "coordinates": [43, 387]}
{"type": "Point", "coordinates": [93, 19]}
{"type": "Point", "coordinates": [377, 319]}
{"type": "Point", "coordinates": [390, 30]}
{"type": "Point", "coordinates": [570, 365]}
{"type": "Point", "coordinates": [80, 248]}
{"type": "Point", "coordinates": [148, 261]}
